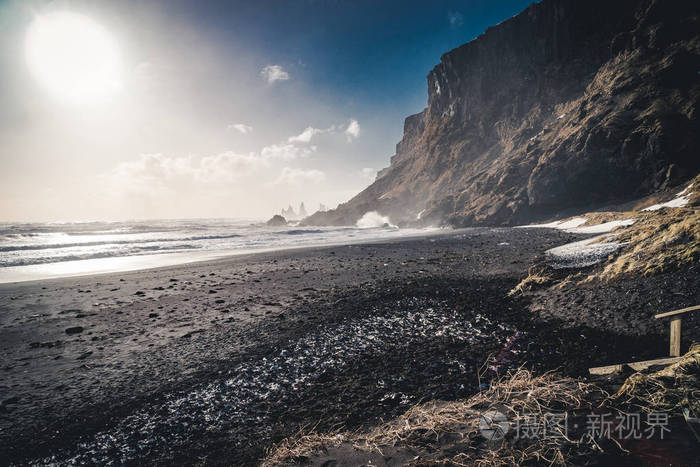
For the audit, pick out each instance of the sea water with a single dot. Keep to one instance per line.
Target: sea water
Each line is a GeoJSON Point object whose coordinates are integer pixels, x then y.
{"type": "Point", "coordinates": [43, 250]}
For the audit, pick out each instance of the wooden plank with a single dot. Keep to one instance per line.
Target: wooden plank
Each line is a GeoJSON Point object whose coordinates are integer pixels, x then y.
{"type": "Point", "coordinates": [677, 312]}
{"type": "Point", "coordinates": [675, 341]}
{"type": "Point", "coordinates": [637, 366]}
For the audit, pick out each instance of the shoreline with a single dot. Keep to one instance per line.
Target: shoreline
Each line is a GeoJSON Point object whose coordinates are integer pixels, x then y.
{"type": "Point", "coordinates": [178, 334]}
{"type": "Point", "coordinates": [101, 266]}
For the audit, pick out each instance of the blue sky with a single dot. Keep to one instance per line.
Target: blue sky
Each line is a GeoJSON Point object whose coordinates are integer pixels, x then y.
{"type": "Point", "coordinates": [211, 100]}
{"type": "Point", "coordinates": [369, 55]}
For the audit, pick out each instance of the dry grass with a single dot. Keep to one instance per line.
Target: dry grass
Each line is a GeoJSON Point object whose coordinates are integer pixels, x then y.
{"type": "Point", "coordinates": [670, 390]}
{"type": "Point", "coordinates": [657, 242]}
{"type": "Point", "coordinates": [448, 433]}
{"type": "Point", "coordinates": [298, 448]}
{"type": "Point", "coordinates": [514, 396]}
{"type": "Point", "coordinates": [424, 427]}
{"type": "Point", "coordinates": [537, 275]}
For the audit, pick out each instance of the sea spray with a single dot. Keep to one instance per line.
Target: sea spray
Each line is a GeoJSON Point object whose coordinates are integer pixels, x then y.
{"type": "Point", "coordinates": [373, 219]}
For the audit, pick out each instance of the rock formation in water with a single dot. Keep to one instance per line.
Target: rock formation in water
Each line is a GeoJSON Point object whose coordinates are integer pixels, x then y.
{"type": "Point", "coordinates": [289, 213]}
{"type": "Point", "coordinates": [292, 215]}
{"type": "Point", "coordinates": [302, 211]}
{"type": "Point", "coordinates": [276, 221]}
{"type": "Point", "coordinates": [569, 105]}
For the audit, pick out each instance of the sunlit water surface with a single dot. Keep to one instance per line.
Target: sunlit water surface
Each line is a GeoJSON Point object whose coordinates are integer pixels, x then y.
{"type": "Point", "coordinates": [45, 250]}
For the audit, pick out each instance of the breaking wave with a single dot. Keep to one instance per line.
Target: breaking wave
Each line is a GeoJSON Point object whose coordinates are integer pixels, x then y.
{"type": "Point", "coordinates": [373, 219]}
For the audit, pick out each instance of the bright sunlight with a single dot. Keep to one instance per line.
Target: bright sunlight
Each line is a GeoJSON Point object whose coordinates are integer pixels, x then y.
{"type": "Point", "coordinates": [75, 59]}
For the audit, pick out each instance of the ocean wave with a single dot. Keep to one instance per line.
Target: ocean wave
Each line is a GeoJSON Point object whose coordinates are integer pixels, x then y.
{"type": "Point", "coordinates": [51, 246]}
{"type": "Point", "coordinates": [34, 244]}
{"type": "Point", "coordinates": [141, 251]}
{"type": "Point", "coordinates": [300, 232]}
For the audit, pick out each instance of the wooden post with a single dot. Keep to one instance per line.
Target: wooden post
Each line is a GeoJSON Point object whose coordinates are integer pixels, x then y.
{"type": "Point", "coordinates": [675, 347]}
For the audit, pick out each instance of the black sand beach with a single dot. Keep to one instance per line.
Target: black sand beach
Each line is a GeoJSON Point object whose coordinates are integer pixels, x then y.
{"type": "Point", "coordinates": [213, 362]}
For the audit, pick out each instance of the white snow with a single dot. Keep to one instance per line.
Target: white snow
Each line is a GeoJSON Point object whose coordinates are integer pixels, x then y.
{"type": "Point", "coordinates": [420, 214]}
{"type": "Point", "coordinates": [682, 198]}
{"type": "Point", "coordinates": [537, 135]}
{"type": "Point", "coordinates": [582, 253]}
{"type": "Point", "coordinates": [570, 224]}
{"type": "Point", "coordinates": [601, 228]}
{"type": "Point", "coordinates": [685, 190]}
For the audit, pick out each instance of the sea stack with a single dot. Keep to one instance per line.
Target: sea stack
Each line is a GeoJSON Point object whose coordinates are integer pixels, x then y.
{"type": "Point", "coordinates": [276, 221]}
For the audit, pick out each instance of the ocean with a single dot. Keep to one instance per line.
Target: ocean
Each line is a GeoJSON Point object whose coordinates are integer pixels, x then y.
{"type": "Point", "coordinates": [31, 251]}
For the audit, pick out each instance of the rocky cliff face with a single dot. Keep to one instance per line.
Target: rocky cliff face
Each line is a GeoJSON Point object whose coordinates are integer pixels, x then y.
{"type": "Point", "coordinates": [569, 105]}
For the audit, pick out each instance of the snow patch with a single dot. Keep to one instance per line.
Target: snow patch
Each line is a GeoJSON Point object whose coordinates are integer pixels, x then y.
{"type": "Point", "coordinates": [682, 198]}
{"type": "Point", "coordinates": [685, 190]}
{"type": "Point", "coordinates": [572, 226]}
{"type": "Point", "coordinates": [601, 228]}
{"type": "Point", "coordinates": [582, 253]}
{"type": "Point", "coordinates": [674, 203]}
{"type": "Point", "coordinates": [562, 225]}
{"type": "Point", "coordinates": [373, 219]}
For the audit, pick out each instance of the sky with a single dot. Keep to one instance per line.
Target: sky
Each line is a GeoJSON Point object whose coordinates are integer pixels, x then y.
{"type": "Point", "coordinates": [144, 109]}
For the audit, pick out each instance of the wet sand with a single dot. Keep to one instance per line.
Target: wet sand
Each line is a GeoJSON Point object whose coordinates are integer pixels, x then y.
{"type": "Point", "coordinates": [213, 361]}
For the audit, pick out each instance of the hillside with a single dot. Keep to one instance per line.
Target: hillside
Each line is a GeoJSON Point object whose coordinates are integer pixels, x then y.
{"type": "Point", "coordinates": [568, 106]}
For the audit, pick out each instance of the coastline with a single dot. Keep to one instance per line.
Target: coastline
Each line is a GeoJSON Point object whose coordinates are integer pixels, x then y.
{"type": "Point", "coordinates": [119, 264]}
{"type": "Point", "coordinates": [154, 336]}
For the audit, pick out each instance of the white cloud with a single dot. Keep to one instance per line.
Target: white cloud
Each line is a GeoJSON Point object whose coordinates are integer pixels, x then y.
{"type": "Point", "coordinates": [152, 173]}
{"type": "Point", "coordinates": [272, 73]}
{"type": "Point", "coordinates": [368, 173]}
{"type": "Point", "coordinates": [241, 128]}
{"type": "Point", "coordinates": [286, 151]}
{"type": "Point", "coordinates": [157, 173]}
{"type": "Point", "coordinates": [227, 166]}
{"type": "Point", "coordinates": [306, 135]}
{"type": "Point", "coordinates": [299, 177]}
{"type": "Point", "coordinates": [353, 130]}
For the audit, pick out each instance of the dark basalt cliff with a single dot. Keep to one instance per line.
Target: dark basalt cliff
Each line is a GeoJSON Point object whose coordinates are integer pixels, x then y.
{"type": "Point", "coordinates": [572, 104]}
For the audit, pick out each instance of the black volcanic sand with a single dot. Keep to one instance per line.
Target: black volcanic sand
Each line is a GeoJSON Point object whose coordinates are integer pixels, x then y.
{"type": "Point", "coordinates": [213, 362]}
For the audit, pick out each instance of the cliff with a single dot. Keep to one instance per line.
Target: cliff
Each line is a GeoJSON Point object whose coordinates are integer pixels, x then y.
{"type": "Point", "coordinates": [569, 105]}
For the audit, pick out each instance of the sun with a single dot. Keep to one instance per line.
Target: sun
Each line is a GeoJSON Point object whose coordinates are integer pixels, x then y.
{"type": "Point", "coordinates": [74, 58]}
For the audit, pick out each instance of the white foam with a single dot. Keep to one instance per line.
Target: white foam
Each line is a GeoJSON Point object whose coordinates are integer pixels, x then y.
{"type": "Point", "coordinates": [373, 219]}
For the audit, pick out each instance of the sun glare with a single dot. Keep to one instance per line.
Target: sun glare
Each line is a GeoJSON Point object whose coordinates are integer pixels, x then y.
{"type": "Point", "coordinates": [74, 58]}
